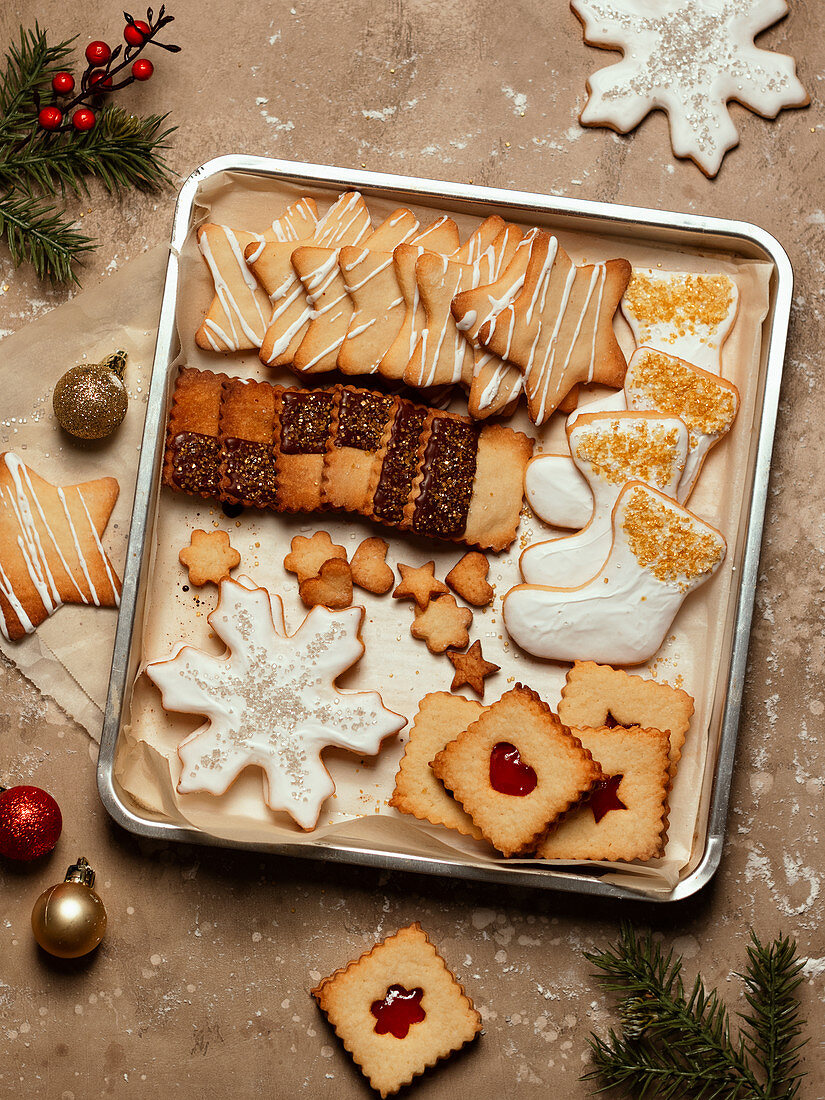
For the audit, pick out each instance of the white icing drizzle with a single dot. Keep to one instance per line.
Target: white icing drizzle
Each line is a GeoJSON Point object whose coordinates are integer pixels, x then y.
{"type": "Point", "coordinates": [229, 303]}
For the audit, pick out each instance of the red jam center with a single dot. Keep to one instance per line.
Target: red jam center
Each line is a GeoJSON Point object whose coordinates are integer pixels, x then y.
{"type": "Point", "coordinates": [399, 1010]}
{"type": "Point", "coordinates": [605, 797]}
{"type": "Point", "coordinates": [507, 773]}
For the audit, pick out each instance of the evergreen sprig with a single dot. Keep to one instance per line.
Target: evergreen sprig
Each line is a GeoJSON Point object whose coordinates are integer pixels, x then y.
{"type": "Point", "coordinates": [675, 1044]}
{"type": "Point", "coordinates": [122, 151]}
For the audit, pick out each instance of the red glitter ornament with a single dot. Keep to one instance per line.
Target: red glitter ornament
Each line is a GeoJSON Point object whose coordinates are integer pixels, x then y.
{"type": "Point", "coordinates": [100, 80]}
{"type": "Point", "coordinates": [30, 823]}
{"type": "Point", "coordinates": [63, 83]}
{"type": "Point", "coordinates": [50, 118]}
{"type": "Point", "coordinates": [98, 53]}
{"type": "Point", "coordinates": [83, 119]}
{"type": "Point", "coordinates": [136, 33]}
{"type": "Point", "coordinates": [142, 69]}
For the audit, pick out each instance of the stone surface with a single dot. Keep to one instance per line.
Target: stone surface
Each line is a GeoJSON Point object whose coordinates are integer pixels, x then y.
{"type": "Point", "coordinates": [201, 984]}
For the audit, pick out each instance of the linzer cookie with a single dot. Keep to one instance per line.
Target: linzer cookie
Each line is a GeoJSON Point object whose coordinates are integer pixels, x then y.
{"type": "Point", "coordinates": [356, 447]}
{"type": "Point", "coordinates": [193, 448]}
{"type": "Point", "coordinates": [625, 816]}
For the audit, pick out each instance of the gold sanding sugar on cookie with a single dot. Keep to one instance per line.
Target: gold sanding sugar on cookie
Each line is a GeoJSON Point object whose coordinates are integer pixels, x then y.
{"type": "Point", "coordinates": [705, 405]}
{"type": "Point", "coordinates": [638, 450]}
{"type": "Point", "coordinates": [668, 543]}
{"type": "Point", "coordinates": [686, 303]}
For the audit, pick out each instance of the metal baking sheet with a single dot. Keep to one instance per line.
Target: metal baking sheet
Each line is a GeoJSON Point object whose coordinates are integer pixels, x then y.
{"type": "Point", "coordinates": [669, 229]}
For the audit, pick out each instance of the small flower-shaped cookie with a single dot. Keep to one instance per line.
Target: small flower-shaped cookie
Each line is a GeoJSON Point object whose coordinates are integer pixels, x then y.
{"type": "Point", "coordinates": [209, 557]}
{"type": "Point", "coordinates": [442, 624]}
{"type": "Point", "coordinates": [306, 556]}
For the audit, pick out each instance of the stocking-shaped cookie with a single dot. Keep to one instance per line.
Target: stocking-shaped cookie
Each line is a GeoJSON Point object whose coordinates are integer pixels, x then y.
{"type": "Point", "coordinates": [660, 553]}
{"type": "Point", "coordinates": [610, 449]}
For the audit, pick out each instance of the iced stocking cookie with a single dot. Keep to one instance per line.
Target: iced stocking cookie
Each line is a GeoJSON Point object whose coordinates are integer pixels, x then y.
{"type": "Point", "coordinates": [271, 700]}
{"type": "Point", "coordinates": [610, 449]}
{"type": "Point", "coordinates": [685, 314]}
{"type": "Point", "coordinates": [660, 553]}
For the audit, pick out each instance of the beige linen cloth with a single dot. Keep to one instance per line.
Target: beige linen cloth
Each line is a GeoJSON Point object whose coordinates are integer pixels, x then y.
{"type": "Point", "coordinates": [69, 656]}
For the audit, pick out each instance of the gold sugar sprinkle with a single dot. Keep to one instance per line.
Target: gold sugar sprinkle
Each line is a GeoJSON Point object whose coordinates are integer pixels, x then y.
{"type": "Point", "coordinates": [703, 402]}
{"type": "Point", "coordinates": [621, 452]}
{"type": "Point", "coordinates": [685, 302]}
{"type": "Point", "coordinates": [669, 543]}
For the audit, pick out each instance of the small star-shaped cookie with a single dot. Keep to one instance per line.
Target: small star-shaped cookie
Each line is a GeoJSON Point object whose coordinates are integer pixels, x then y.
{"type": "Point", "coordinates": [443, 624]}
{"type": "Point", "coordinates": [306, 556]}
{"type": "Point", "coordinates": [471, 669]}
{"type": "Point", "coordinates": [419, 583]}
{"type": "Point", "coordinates": [209, 557]}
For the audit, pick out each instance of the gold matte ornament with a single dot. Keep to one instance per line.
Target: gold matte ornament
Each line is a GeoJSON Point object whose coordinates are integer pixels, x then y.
{"type": "Point", "coordinates": [90, 400]}
{"type": "Point", "coordinates": [69, 919]}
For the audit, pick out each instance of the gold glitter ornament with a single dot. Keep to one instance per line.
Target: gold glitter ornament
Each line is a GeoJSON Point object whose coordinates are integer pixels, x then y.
{"type": "Point", "coordinates": [90, 400]}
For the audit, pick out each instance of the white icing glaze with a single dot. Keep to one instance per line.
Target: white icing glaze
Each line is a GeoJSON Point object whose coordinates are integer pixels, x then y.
{"type": "Point", "coordinates": [689, 59]}
{"type": "Point", "coordinates": [573, 560]}
{"type": "Point", "coordinates": [682, 336]}
{"type": "Point", "coordinates": [557, 492]}
{"type": "Point", "coordinates": [249, 315]}
{"type": "Point", "coordinates": [622, 615]}
{"type": "Point", "coordinates": [271, 701]}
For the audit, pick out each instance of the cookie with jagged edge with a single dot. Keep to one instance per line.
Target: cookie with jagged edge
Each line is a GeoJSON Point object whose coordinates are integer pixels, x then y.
{"type": "Point", "coordinates": [599, 695]}
{"type": "Point", "coordinates": [362, 1002]}
{"type": "Point", "coordinates": [346, 222]}
{"type": "Point", "coordinates": [359, 433]}
{"type": "Point", "coordinates": [192, 463]}
{"type": "Point", "coordinates": [441, 718]}
{"type": "Point", "coordinates": [239, 313]}
{"type": "Point", "coordinates": [558, 330]}
{"type": "Point", "coordinates": [249, 428]}
{"type": "Point", "coordinates": [306, 418]}
{"type": "Point", "coordinates": [372, 284]}
{"type": "Point", "coordinates": [517, 769]}
{"type": "Point", "coordinates": [331, 307]}
{"type": "Point", "coordinates": [626, 816]}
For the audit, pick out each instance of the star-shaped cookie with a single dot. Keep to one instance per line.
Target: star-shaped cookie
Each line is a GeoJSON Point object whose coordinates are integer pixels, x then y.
{"type": "Point", "coordinates": [50, 548]}
{"type": "Point", "coordinates": [443, 624]}
{"type": "Point", "coordinates": [419, 583]}
{"type": "Point", "coordinates": [209, 557]}
{"type": "Point", "coordinates": [471, 669]}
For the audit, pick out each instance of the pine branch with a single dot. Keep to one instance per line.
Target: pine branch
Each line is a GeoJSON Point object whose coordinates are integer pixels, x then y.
{"type": "Point", "coordinates": [773, 1026]}
{"type": "Point", "coordinates": [122, 151]}
{"type": "Point", "coordinates": [42, 236]}
{"type": "Point", "coordinates": [30, 64]}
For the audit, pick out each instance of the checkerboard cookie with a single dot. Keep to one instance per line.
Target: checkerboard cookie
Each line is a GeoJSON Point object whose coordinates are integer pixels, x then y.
{"type": "Point", "coordinates": [598, 695]}
{"type": "Point", "coordinates": [625, 817]}
{"type": "Point", "coordinates": [398, 1010]}
{"type": "Point", "coordinates": [516, 769]}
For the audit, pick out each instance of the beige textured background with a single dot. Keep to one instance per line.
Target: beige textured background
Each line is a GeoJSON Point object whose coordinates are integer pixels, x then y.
{"type": "Point", "coordinates": [201, 985]}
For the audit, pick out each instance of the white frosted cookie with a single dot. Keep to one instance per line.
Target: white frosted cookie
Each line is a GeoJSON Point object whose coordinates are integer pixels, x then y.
{"type": "Point", "coordinates": [660, 553]}
{"type": "Point", "coordinates": [270, 701]}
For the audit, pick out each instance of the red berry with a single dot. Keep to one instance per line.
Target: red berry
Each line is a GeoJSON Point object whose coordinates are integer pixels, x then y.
{"type": "Point", "coordinates": [98, 53]}
{"type": "Point", "coordinates": [136, 33]}
{"type": "Point", "coordinates": [50, 118]}
{"type": "Point", "coordinates": [63, 83]}
{"type": "Point", "coordinates": [30, 823]}
{"type": "Point", "coordinates": [100, 80]}
{"type": "Point", "coordinates": [84, 119]}
{"type": "Point", "coordinates": [142, 69]}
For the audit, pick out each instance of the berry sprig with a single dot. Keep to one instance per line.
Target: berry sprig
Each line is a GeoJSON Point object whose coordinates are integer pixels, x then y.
{"type": "Point", "coordinates": [103, 65]}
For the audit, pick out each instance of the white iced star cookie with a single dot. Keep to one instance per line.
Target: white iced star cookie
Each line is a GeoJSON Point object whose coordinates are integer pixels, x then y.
{"type": "Point", "coordinates": [271, 700]}
{"type": "Point", "coordinates": [689, 58]}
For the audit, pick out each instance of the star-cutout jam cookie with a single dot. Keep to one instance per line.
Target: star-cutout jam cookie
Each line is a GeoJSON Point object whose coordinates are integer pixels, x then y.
{"type": "Point", "coordinates": [209, 557]}
{"type": "Point", "coordinates": [50, 548]}
{"type": "Point", "coordinates": [688, 57]}
{"type": "Point", "coordinates": [471, 669]}
{"type": "Point", "coordinates": [271, 700]}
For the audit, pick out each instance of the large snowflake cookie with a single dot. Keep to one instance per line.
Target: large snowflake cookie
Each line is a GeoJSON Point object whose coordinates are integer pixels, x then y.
{"type": "Point", "coordinates": [689, 58]}
{"type": "Point", "coordinates": [271, 700]}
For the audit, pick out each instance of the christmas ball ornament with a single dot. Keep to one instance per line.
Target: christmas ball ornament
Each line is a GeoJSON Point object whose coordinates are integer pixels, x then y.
{"type": "Point", "coordinates": [83, 119]}
{"type": "Point", "coordinates": [30, 822]}
{"type": "Point", "coordinates": [90, 401]}
{"type": "Point", "coordinates": [50, 118]}
{"type": "Point", "coordinates": [63, 83]}
{"type": "Point", "coordinates": [136, 33]}
{"type": "Point", "coordinates": [98, 53]}
{"type": "Point", "coordinates": [100, 80]}
{"type": "Point", "coordinates": [69, 919]}
{"type": "Point", "coordinates": [142, 69]}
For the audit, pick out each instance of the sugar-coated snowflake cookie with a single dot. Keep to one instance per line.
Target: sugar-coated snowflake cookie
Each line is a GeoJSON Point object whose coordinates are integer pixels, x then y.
{"type": "Point", "coordinates": [271, 700]}
{"type": "Point", "coordinates": [688, 58]}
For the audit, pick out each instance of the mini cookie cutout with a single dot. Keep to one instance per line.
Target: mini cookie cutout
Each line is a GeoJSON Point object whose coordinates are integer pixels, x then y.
{"type": "Point", "coordinates": [331, 588]}
{"type": "Point", "coordinates": [369, 567]}
{"type": "Point", "coordinates": [471, 669]}
{"type": "Point", "coordinates": [270, 701]}
{"type": "Point", "coordinates": [209, 557]}
{"type": "Point", "coordinates": [306, 556]}
{"type": "Point", "coordinates": [468, 577]}
{"type": "Point", "coordinates": [442, 624]}
{"type": "Point", "coordinates": [419, 583]}
{"type": "Point", "coordinates": [688, 57]}
{"type": "Point", "coordinates": [398, 1009]}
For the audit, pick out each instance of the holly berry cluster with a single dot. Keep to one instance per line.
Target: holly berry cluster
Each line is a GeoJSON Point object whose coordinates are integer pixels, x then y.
{"type": "Point", "coordinates": [103, 66]}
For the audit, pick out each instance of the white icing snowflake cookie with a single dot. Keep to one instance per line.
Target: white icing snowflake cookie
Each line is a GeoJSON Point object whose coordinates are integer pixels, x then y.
{"type": "Point", "coordinates": [271, 700]}
{"type": "Point", "coordinates": [689, 58]}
